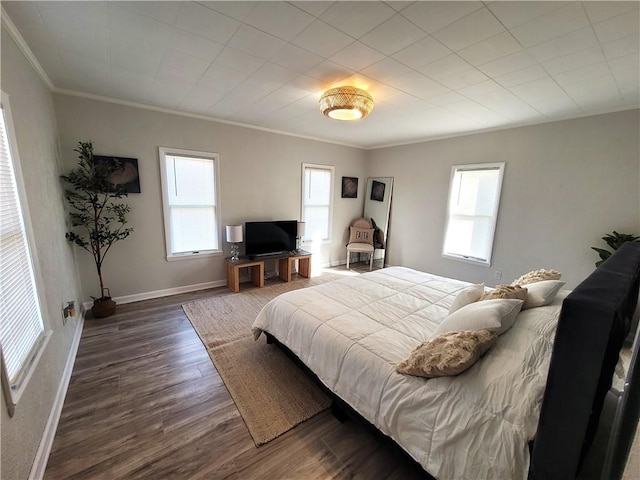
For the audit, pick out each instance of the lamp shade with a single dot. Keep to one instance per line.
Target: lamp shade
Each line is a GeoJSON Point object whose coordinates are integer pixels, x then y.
{"type": "Point", "coordinates": [301, 228]}
{"type": "Point", "coordinates": [234, 233]}
{"type": "Point", "coordinates": [346, 103]}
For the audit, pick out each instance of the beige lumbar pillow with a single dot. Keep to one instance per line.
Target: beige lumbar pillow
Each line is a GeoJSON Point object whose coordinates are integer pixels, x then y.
{"type": "Point", "coordinates": [466, 296]}
{"type": "Point", "coordinates": [537, 276]}
{"type": "Point", "coordinates": [447, 354]}
{"type": "Point", "coordinates": [542, 293]}
{"type": "Point", "coordinates": [515, 292]}
{"type": "Point", "coordinates": [496, 315]}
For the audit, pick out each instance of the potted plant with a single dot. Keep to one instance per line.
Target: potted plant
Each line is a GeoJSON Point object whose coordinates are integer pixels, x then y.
{"type": "Point", "coordinates": [615, 241]}
{"type": "Point", "coordinates": [96, 214]}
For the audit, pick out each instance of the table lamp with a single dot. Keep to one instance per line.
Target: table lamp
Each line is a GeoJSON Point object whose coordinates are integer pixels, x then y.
{"type": "Point", "coordinates": [301, 227]}
{"type": "Point", "coordinates": [234, 236]}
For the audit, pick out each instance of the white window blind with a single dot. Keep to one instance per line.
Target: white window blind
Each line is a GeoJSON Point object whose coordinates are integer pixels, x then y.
{"type": "Point", "coordinates": [21, 329]}
{"type": "Point", "coordinates": [317, 198]}
{"type": "Point", "coordinates": [191, 202]}
{"type": "Point", "coordinates": [474, 196]}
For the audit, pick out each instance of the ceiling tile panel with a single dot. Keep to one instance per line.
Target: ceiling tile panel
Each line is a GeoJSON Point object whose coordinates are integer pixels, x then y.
{"type": "Point", "coordinates": [565, 44]}
{"type": "Point", "coordinates": [464, 79]}
{"type": "Point", "coordinates": [512, 14]}
{"type": "Point", "coordinates": [551, 25]}
{"type": "Point", "coordinates": [510, 63]}
{"type": "Point", "coordinates": [582, 93]}
{"type": "Point", "coordinates": [329, 72]}
{"type": "Point", "coordinates": [509, 106]}
{"type": "Point", "coordinates": [357, 56]}
{"type": "Point", "coordinates": [202, 21]}
{"type": "Point", "coordinates": [393, 35]}
{"type": "Point", "coordinates": [139, 32]}
{"type": "Point", "coordinates": [134, 57]}
{"type": "Point", "coordinates": [547, 97]}
{"type": "Point", "coordinates": [417, 85]}
{"type": "Point", "coordinates": [178, 66]}
{"type": "Point", "coordinates": [194, 45]}
{"type": "Point", "coordinates": [626, 71]}
{"type": "Point", "coordinates": [281, 19]}
{"type": "Point", "coordinates": [232, 8]}
{"type": "Point", "coordinates": [255, 42]}
{"type": "Point", "coordinates": [617, 27]}
{"type": "Point", "coordinates": [575, 60]}
{"type": "Point", "coordinates": [384, 69]}
{"type": "Point", "coordinates": [315, 8]}
{"type": "Point", "coordinates": [519, 77]}
{"type": "Point", "coordinates": [445, 67]}
{"type": "Point", "coordinates": [223, 79]}
{"type": "Point", "coordinates": [604, 10]}
{"type": "Point", "coordinates": [166, 12]}
{"type": "Point", "coordinates": [88, 13]}
{"type": "Point", "coordinates": [622, 47]}
{"type": "Point", "coordinates": [235, 59]}
{"type": "Point", "coordinates": [480, 89]}
{"type": "Point", "coordinates": [491, 49]}
{"type": "Point", "coordinates": [587, 73]}
{"type": "Point", "coordinates": [422, 53]}
{"type": "Point", "coordinates": [296, 58]}
{"type": "Point", "coordinates": [357, 18]}
{"type": "Point", "coordinates": [471, 29]}
{"type": "Point", "coordinates": [433, 16]}
{"type": "Point", "coordinates": [322, 39]}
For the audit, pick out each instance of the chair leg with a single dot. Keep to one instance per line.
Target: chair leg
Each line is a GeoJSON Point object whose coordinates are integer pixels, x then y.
{"type": "Point", "coordinates": [348, 255]}
{"type": "Point", "coordinates": [370, 261]}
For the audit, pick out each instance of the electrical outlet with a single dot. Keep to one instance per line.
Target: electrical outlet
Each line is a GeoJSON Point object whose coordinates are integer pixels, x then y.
{"type": "Point", "coordinates": [498, 275]}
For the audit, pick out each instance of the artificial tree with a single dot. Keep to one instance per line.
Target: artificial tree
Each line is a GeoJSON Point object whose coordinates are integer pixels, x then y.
{"type": "Point", "coordinates": [96, 213]}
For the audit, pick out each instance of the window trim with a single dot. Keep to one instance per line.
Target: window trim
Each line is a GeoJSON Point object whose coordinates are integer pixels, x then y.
{"type": "Point", "coordinates": [474, 166]}
{"type": "Point", "coordinates": [332, 170]}
{"type": "Point", "coordinates": [13, 393]}
{"type": "Point", "coordinates": [162, 154]}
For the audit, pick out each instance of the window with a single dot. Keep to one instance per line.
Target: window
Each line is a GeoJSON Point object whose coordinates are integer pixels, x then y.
{"type": "Point", "coordinates": [191, 203]}
{"type": "Point", "coordinates": [317, 201]}
{"type": "Point", "coordinates": [21, 329]}
{"type": "Point", "coordinates": [474, 195]}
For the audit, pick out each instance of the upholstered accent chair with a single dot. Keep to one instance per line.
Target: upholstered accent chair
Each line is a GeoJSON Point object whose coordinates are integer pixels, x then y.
{"type": "Point", "coordinates": [361, 239]}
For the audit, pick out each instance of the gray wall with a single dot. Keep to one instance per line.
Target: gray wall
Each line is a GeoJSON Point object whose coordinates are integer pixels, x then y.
{"type": "Point", "coordinates": [566, 184]}
{"type": "Point", "coordinates": [260, 180]}
{"type": "Point", "coordinates": [35, 128]}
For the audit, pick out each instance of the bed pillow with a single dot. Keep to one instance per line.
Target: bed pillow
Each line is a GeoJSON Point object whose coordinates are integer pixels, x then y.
{"type": "Point", "coordinates": [466, 296]}
{"type": "Point", "coordinates": [447, 354]}
{"type": "Point", "coordinates": [542, 293]}
{"type": "Point", "coordinates": [506, 291]}
{"type": "Point", "coordinates": [537, 276]}
{"type": "Point", "coordinates": [496, 315]}
{"type": "Point", "coordinates": [361, 235]}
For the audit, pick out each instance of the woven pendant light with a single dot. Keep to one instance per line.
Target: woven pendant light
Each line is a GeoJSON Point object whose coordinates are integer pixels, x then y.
{"type": "Point", "coordinates": [346, 103]}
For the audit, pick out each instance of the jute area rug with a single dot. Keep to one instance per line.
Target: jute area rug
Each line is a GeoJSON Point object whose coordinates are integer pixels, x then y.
{"type": "Point", "coordinates": [272, 394]}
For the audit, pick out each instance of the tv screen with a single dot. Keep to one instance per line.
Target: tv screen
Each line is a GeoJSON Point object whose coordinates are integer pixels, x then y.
{"type": "Point", "coordinates": [270, 237]}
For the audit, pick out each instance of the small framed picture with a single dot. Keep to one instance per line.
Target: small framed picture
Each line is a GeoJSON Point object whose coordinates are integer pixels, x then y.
{"type": "Point", "coordinates": [377, 191]}
{"type": "Point", "coordinates": [126, 177]}
{"type": "Point", "coordinates": [349, 187]}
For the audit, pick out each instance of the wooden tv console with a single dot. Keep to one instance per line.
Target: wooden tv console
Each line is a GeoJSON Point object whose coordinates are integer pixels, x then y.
{"type": "Point", "coordinates": [256, 268]}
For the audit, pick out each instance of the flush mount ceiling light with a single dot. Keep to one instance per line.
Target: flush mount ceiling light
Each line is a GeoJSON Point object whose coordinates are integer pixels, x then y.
{"type": "Point", "coordinates": [346, 103]}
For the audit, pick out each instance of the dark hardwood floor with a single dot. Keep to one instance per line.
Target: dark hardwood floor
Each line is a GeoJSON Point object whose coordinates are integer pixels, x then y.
{"type": "Point", "coordinates": [145, 401]}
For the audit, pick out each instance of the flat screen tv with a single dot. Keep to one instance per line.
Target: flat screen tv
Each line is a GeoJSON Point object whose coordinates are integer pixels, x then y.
{"type": "Point", "coordinates": [264, 238]}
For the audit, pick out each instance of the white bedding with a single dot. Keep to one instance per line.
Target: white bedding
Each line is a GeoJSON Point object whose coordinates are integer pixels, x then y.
{"type": "Point", "coordinates": [353, 332]}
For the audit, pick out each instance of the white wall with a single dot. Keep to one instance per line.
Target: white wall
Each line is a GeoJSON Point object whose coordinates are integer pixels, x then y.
{"type": "Point", "coordinates": [566, 184]}
{"type": "Point", "coordinates": [36, 134]}
{"type": "Point", "coordinates": [260, 180]}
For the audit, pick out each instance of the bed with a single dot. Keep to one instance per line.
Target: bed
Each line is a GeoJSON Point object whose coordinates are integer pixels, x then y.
{"type": "Point", "coordinates": [501, 418]}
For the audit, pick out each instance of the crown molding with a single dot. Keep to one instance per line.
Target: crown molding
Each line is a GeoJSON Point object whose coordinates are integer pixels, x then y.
{"type": "Point", "coordinates": [24, 48]}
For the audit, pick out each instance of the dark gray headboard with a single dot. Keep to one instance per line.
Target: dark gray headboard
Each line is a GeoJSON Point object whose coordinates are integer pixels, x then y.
{"type": "Point", "coordinates": [593, 323]}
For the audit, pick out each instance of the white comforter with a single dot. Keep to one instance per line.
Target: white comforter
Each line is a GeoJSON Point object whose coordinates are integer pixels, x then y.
{"type": "Point", "coordinates": [354, 331]}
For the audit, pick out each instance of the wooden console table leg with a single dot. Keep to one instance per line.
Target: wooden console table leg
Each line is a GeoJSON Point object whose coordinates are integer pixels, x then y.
{"type": "Point", "coordinates": [257, 275]}
{"type": "Point", "coordinates": [285, 269]}
{"type": "Point", "coordinates": [304, 267]}
{"type": "Point", "coordinates": [233, 277]}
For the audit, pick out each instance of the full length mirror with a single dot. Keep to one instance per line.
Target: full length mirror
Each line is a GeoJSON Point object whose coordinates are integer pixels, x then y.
{"type": "Point", "coordinates": [377, 205]}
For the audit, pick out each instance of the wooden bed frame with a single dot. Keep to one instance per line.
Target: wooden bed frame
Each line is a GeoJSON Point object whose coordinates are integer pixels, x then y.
{"type": "Point", "coordinates": [594, 321]}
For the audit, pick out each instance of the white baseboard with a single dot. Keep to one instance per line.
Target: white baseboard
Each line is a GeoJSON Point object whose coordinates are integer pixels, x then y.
{"type": "Point", "coordinates": [44, 449]}
{"type": "Point", "coordinates": [136, 297]}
